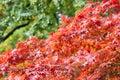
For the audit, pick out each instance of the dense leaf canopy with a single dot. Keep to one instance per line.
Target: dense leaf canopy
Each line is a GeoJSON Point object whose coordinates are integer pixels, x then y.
{"type": "Point", "coordinates": [86, 47]}
{"type": "Point", "coordinates": [20, 19]}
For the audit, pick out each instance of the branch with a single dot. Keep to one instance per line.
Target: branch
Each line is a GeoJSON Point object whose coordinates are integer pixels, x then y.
{"type": "Point", "coordinates": [14, 29]}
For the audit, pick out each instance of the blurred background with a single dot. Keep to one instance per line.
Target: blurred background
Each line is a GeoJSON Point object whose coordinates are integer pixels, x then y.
{"type": "Point", "coordinates": [20, 19]}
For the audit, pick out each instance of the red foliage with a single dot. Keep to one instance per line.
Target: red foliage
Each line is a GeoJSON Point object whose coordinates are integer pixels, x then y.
{"type": "Point", "coordinates": [86, 47]}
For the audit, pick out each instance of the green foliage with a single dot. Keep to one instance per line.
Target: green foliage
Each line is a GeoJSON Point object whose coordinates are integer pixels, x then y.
{"type": "Point", "coordinates": [85, 47]}
{"type": "Point", "coordinates": [42, 16]}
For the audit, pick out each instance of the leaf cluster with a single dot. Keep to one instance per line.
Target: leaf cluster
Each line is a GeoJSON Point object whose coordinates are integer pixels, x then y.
{"type": "Point", "coordinates": [86, 47]}
{"type": "Point", "coordinates": [43, 17]}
